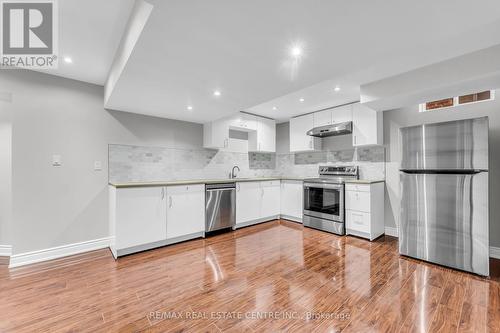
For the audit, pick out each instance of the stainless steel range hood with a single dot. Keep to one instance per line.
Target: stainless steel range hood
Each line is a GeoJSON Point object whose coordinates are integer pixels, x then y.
{"type": "Point", "coordinates": [331, 130]}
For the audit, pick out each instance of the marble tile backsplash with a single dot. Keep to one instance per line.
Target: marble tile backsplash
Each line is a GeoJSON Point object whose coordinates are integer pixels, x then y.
{"type": "Point", "coordinates": [138, 163]}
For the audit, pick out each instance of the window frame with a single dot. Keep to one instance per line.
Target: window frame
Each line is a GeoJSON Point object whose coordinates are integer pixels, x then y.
{"type": "Point", "coordinates": [422, 106]}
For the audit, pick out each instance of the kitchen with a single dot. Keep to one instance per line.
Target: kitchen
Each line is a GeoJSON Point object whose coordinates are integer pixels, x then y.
{"type": "Point", "coordinates": [320, 214]}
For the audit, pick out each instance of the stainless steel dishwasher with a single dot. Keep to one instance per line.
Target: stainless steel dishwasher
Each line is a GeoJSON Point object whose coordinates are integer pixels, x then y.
{"type": "Point", "coordinates": [220, 206]}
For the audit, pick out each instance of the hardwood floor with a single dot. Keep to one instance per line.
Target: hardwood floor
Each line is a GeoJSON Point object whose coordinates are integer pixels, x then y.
{"type": "Point", "coordinates": [276, 276]}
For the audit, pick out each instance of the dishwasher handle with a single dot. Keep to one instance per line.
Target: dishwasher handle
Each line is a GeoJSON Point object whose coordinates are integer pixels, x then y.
{"type": "Point", "coordinates": [220, 189]}
{"type": "Point", "coordinates": [220, 186]}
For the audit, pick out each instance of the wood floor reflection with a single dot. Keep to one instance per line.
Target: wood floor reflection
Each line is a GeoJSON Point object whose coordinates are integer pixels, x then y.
{"type": "Point", "coordinates": [272, 277]}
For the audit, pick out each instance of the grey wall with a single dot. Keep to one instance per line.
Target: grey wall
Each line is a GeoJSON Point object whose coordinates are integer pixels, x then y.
{"type": "Point", "coordinates": [395, 119]}
{"type": "Point", "coordinates": [53, 206]}
{"type": "Point", "coordinates": [5, 172]}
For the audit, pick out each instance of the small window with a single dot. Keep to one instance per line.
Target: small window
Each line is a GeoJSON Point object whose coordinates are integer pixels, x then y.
{"type": "Point", "coordinates": [482, 96]}
{"type": "Point", "coordinates": [478, 97]}
{"type": "Point", "coordinates": [443, 103]}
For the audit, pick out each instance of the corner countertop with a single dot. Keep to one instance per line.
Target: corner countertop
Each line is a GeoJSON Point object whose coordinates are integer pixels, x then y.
{"type": "Point", "coordinates": [200, 181]}
{"type": "Point", "coordinates": [215, 181]}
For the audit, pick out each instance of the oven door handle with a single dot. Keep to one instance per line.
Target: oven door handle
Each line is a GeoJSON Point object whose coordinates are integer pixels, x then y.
{"type": "Point", "coordinates": [321, 185]}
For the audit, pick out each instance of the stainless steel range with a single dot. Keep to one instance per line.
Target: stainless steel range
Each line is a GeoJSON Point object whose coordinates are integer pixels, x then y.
{"type": "Point", "coordinates": [324, 198]}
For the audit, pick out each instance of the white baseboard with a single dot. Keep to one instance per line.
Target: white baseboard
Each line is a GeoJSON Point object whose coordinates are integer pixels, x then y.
{"type": "Point", "coordinates": [390, 231]}
{"type": "Point", "coordinates": [495, 252]}
{"type": "Point", "coordinates": [27, 258]}
{"type": "Point", "coordinates": [5, 250]}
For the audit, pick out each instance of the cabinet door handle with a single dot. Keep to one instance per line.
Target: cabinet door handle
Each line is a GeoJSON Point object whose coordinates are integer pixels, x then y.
{"type": "Point", "coordinates": [355, 140]}
{"type": "Point", "coordinates": [170, 201]}
{"type": "Point", "coordinates": [162, 193]}
{"type": "Point", "coordinates": [238, 186]}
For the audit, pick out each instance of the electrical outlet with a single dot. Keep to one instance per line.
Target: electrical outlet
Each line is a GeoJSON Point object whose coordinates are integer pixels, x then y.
{"type": "Point", "coordinates": [56, 160]}
{"type": "Point", "coordinates": [97, 166]}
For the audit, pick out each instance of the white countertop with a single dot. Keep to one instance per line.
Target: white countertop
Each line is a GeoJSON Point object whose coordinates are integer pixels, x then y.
{"type": "Point", "coordinates": [364, 181]}
{"type": "Point", "coordinates": [200, 181]}
{"type": "Point", "coordinates": [226, 180]}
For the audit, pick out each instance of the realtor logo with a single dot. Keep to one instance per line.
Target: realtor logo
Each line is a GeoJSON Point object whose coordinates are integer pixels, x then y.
{"type": "Point", "coordinates": [29, 34]}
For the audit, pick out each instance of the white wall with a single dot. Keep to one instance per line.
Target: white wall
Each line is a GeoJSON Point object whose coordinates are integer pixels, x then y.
{"type": "Point", "coordinates": [395, 119]}
{"type": "Point", "coordinates": [54, 206]}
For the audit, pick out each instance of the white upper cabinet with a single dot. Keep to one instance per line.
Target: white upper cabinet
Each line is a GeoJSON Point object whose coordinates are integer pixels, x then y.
{"type": "Point", "coordinates": [332, 116]}
{"type": "Point", "coordinates": [185, 210]}
{"type": "Point", "coordinates": [243, 122]}
{"type": "Point", "coordinates": [322, 118]}
{"type": "Point", "coordinates": [216, 134]}
{"type": "Point", "coordinates": [261, 132]}
{"type": "Point", "coordinates": [264, 138]}
{"type": "Point", "coordinates": [342, 114]}
{"type": "Point", "coordinates": [299, 140]}
{"type": "Point", "coordinates": [367, 126]}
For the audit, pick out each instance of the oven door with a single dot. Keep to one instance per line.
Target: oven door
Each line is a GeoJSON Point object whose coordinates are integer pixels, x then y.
{"type": "Point", "coordinates": [325, 201]}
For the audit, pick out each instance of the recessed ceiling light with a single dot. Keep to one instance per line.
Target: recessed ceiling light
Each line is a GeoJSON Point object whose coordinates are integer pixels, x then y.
{"type": "Point", "coordinates": [301, 100]}
{"type": "Point", "coordinates": [189, 107]}
{"type": "Point", "coordinates": [217, 93]}
{"type": "Point", "coordinates": [336, 89]}
{"type": "Point", "coordinates": [275, 108]}
{"type": "Point", "coordinates": [68, 60]}
{"type": "Point", "coordinates": [296, 51]}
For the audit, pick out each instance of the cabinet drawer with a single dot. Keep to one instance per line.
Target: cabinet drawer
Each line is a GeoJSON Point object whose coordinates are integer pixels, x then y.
{"type": "Point", "coordinates": [359, 201]}
{"type": "Point", "coordinates": [357, 187]}
{"type": "Point", "coordinates": [177, 189]}
{"type": "Point", "coordinates": [358, 221]}
{"type": "Point", "coordinates": [267, 183]}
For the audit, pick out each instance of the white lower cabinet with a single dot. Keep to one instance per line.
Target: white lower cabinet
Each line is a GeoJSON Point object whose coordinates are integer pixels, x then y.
{"type": "Point", "coordinates": [292, 194]}
{"type": "Point", "coordinates": [270, 204]}
{"type": "Point", "coordinates": [141, 215]}
{"type": "Point", "coordinates": [364, 204]}
{"type": "Point", "coordinates": [247, 201]}
{"type": "Point", "coordinates": [142, 218]}
{"type": "Point", "coordinates": [257, 202]}
{"type": "Point", "coordinates": [185, 210]}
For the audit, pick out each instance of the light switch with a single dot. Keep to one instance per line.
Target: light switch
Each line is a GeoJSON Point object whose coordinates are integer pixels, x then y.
{"type": "Point", "coordinates": [97, 166]}
{"type": "Point", "coordinates": [56, 160]}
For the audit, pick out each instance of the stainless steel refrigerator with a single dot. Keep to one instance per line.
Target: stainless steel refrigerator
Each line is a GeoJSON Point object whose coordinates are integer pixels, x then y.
{"type": "Point", "coordinates": [444, 184]}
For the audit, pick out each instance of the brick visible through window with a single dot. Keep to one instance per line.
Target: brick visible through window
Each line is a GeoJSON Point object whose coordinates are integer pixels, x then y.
{"type": "Point", "coordinates": [442, 103]}
{"type": "Point", "coordinates": [481, 96]}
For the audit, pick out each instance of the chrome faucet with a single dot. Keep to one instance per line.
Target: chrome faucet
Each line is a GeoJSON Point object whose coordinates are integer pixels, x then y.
{"type": "Point", "coordinates": [233, 174]}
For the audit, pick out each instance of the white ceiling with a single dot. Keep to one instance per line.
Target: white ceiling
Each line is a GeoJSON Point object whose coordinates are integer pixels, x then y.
{"type": "Point", "coordinates": [190, 48]}
{"type": "Point", "coordinates": [89, 33]}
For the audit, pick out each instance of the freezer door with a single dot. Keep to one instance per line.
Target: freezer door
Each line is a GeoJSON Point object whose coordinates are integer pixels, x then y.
{"type": "Point", "coordinates": [450, 145]}
{"type": "Point", "coordinates": [444, 219]}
